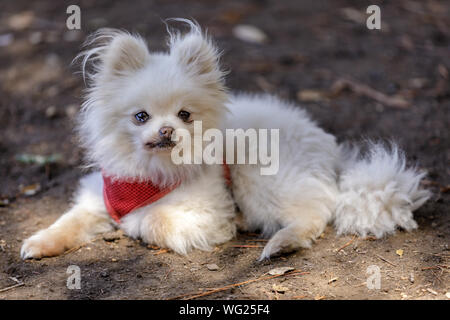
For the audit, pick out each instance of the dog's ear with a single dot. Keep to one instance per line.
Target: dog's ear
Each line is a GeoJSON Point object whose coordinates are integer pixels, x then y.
{"type": "Point", "coordinates": [195, 52]}
{"type": "Point", "coordinates": [125, 53]}
{"type": "Point", "coordinates": [114, 53]}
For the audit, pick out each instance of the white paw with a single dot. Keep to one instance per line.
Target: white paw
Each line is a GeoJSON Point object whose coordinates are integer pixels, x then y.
{"type": "Point", "coordinates": [409, 224]}
{"type": "Point", "coordinates": [42, 244]}
{"type": "Point", "coordinates": [268, 251]}
{"type": "Point", "coordinates": [31, 248]}
{"type": "Point", "coordinates": [278, 244]}
{"type": "Point", "coordinates": [265, 255]}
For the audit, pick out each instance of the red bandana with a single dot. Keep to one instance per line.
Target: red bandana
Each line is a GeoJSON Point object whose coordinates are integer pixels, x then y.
{"type": "Point", "coordinates": [122, 196]}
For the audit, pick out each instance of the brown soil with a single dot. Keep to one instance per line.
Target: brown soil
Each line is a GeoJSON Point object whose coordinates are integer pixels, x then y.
{"type": "Point", "coordinates": [311, 45]}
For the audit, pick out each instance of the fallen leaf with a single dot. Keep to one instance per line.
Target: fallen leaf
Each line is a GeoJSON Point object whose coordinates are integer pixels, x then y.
{"type": "Point", "coordinates": [279, 288]}
{"type": "Point", "coordinates": [399, 252]}
{"type": "Point", "coordinates": [280, 271]}
{"type": "Point", "coordinates": [31, 189]}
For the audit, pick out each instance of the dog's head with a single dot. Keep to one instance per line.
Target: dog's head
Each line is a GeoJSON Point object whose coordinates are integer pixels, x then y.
{"type": "Point", "coordinates": [137, 99]}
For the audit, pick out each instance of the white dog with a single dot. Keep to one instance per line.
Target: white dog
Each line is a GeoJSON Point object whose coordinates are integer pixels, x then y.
{"type": "Point", "coordinates": [136, 101]}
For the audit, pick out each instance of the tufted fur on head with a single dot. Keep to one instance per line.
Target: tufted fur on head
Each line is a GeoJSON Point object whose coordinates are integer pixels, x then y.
{"type": "Point", "coordinates": [125, 78]}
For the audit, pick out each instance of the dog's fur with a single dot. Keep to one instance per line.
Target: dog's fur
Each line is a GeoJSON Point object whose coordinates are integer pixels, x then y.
{"type": "Point", "coordinates": [318, 181]}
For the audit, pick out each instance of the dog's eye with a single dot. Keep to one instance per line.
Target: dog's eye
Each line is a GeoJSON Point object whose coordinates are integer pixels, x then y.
{"type": "Point", "coordinates": [142, 116]}
{"type": "Point", "coordinates": [184, 115]}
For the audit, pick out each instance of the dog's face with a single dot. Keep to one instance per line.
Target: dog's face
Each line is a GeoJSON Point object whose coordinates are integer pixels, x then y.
{"type": "Point", "coordinates": [139, 99]}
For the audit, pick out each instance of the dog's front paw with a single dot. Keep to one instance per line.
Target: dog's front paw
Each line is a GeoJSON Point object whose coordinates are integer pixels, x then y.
{"type": "Point", "coordinates": [43, 244]}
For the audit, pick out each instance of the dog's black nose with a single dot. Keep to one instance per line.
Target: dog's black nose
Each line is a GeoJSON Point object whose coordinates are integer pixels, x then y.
{"type": "Point", "coordinates": [166, 132]}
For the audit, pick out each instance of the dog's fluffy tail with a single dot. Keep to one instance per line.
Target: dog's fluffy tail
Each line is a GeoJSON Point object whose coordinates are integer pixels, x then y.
{"type": "Point", "coordinates": [378, 192]}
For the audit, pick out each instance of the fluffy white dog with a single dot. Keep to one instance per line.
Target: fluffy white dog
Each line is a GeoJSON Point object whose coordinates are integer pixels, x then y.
{"type": "Point", "coordinates": [138, 99]}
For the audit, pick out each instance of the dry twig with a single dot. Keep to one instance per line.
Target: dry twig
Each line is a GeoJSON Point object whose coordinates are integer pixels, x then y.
{"type": "Point", "coordinates": [347, 244]}
{"type": "Point", "coordinates": [195, 295]}
{"type": "Point", "coordinates": [385, 260]}
{"type": "Point", "coordinates": [439, 267]}
{"type": "Point", "coordinates": [18, 284]}
{"type": "Point", "coordinates": [362, 89]}
{"type": "Point", "coordinates": [161, 252]}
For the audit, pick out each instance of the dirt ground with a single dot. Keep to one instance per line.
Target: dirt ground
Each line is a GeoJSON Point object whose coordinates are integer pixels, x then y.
{"type": "Point", "coordinates": [310, 45]}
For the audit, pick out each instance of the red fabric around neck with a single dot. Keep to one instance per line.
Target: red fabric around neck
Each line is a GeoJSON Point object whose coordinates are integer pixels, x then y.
{"type": "Point", "coordinates": [122, 196]}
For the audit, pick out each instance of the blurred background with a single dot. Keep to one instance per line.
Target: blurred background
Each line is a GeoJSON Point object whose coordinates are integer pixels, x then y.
{"type": "Point", "coordinates": [357, 83]}
{"type": "Point", "coordinates": [305, 51]}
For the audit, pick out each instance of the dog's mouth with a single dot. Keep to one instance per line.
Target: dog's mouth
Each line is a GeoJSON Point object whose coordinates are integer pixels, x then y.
{"type": "Point", "coordinates": [160, 145]}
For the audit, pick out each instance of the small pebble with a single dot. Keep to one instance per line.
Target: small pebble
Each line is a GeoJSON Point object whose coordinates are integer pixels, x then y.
{"type": "Point", "coordinates": [35, 37]}
{"type": "Point", "coordinates": [212, 267]}
{"type": "Point", "coordinates": [111, 236]}
{"type": "Point", "coordinates": [50, 112]}
{"type": "Point", "coordinates": [249, 33]}
{"type": "Point", "coordinates": [71, 110]}
{"type": "Point", "coordinates": [104, 274]}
